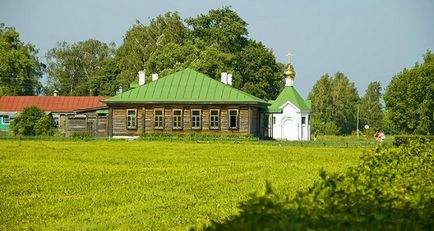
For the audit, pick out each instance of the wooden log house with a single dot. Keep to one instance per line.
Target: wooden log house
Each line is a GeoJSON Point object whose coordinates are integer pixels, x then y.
{"type": "Point", "coordinates": [184, 102]}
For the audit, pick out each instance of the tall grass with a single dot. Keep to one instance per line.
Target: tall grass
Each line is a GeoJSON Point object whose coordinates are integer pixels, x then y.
{"type": "Point", "coordinates": [151, 185]}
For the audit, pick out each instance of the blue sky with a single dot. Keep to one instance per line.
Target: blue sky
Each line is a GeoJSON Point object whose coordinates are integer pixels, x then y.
{"type": "Point", "coordinates": [367, 40]}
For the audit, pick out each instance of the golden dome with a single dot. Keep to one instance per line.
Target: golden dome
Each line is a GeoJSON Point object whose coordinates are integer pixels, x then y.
{"type": "Point", "coordinates": [289, 71]}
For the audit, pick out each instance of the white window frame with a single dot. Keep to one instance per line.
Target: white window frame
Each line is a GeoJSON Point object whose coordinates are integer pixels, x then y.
{"type": "Point", "coordinates": [6, 119]}
{"type": "Point", "coordinates": [174, 117]}
{"type": "Point", "coordinates": [131, 119]}
{"type": "Point", "coordinates": [196, 120]}
{"type": "Point", "coordinates": [211, 119]}
{"type": "Point", "coordinates": [159, 121]}
{"type": "Point", "coordinates": [236, 119]}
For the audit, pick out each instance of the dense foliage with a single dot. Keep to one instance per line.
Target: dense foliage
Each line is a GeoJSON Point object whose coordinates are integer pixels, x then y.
{"type": "Point", "coordinates": [400, 140]}
{"type": "Point", "coordinates": [32, 121]}
{"type": "Point", "coordinates": [209, 43]}
{"type": "Point", "coordinates": [390, 189]}
{"type": "Point", "coordinates": [334, 105]}
{"type": "Point", "coordinates": [82, 68]}
{"type": "Point", "coordinates": [409, 99]}
{"type": "Point", "coordinates": [371, 108]}
{"type": "Point", "coordinates": [20, 69]}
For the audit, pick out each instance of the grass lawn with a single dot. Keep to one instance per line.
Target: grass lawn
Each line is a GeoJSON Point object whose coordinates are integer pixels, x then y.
{"type": "Point", "coordinates": [151, 185]}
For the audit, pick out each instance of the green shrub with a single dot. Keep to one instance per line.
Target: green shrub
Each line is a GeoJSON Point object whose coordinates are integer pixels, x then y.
{"type": "Point", "coordinates": [81, 135]}
{"type": "Point", "coordinates": [196, 136]}
{"type": "Point", "coordinates": [407, 139]}
{"type": "Point", "coordinates": [390, 189]}
{"type": "Point", "coordinates": [32, 121]}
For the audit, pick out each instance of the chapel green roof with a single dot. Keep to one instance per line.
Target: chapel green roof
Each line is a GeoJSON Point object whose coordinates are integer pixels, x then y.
{"type": "Point", "coordinates": [186, 86]}
{"type": "Point", "coordinates": [289, 94]}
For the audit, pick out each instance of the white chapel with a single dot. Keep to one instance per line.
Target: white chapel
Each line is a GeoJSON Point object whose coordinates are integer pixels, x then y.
{"type": "Point", "coordinates": [289, 114]}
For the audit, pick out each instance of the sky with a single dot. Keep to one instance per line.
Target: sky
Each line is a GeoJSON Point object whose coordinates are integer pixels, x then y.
{"type": "Point", "coordinates": [368, 40]}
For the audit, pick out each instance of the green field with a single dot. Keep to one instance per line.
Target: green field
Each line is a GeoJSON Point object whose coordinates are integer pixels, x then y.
{"type": "Point", "coordinates": [151, 185]}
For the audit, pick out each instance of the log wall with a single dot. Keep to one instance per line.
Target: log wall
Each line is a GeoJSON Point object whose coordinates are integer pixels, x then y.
{"type": "Point", "coordinates": [247, 120]}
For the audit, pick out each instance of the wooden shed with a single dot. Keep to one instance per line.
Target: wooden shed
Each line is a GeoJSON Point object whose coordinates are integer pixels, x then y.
{"type": "Point", "coordinates": [186, 101]}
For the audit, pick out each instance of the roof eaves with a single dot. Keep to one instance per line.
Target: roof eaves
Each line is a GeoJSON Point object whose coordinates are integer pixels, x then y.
{"type": "Point", "coordinates": [187, 102]}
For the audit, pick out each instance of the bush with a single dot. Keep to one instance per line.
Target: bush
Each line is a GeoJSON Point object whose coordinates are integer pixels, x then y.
{"type": "Point", "coordinates": [390, 189]}
{"type": "Point", "coordinates": [32, 121]}
{"type": "Point", "coordinates": [407, 139]}
{"type": "Point", "coordinates": [196, 136]}
{"type": "Point", "coordinates": [81, 135]}
{"type": "Point", "coordinates": [329, 128]}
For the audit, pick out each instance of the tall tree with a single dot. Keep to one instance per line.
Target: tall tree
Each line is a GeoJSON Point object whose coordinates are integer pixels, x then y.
{"type": "Point", "coordinates": [334, 101]}
{"type": "Point", "coordinates": [210, 43]}
{"type": "Point", "coordinates": [222, 27]}
{"type": "Point", "coordinates": [260, 74]}
{"type": "Point", "coordinates": [20, 69]}
{"type": "Point", "coordinates": [320, 97]}
{"type": "Point", "coordinates": [409, 99]}
{"type": "Point", "coordinates": [344, 100]}
{"type": "Point", "coordinates": [371, 109]}
{"type": "Point", "coordinates": [72, 69]}
{"type": "Point", "coordinates": [142, 46]}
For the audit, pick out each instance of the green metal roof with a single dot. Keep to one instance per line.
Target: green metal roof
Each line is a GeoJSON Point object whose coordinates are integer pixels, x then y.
{"type": "Point", "coordinates": [291, 95]}
{"type": "Point", "coordinates": [102, 111]}
{"type": "Point", "coordinates": [186, 86]}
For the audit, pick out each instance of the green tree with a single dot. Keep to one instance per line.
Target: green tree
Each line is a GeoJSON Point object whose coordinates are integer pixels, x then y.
{"type": "Point", "coordinates": [371, 109]}
{"type": "Point", "coordinates": [104, 82]}
{"type": "Point", "coordinates": [334, 101]}
{"type": "Point", "coordinates": [211, 43]}
{"type": "Point", "coordinates": [171, 58]}
{"type": "Point", "coordinates": [20, 69]}
{"type": "Point", "coordinates": [409, 99]}
{"type": "Point", "coordinates": [143, 45]}
{"type": "Point", "coordinates": [213, 61]}
{"type": "Point", "coordinates": [71, 68]}
{"type": "Point", "coordinates": [260, 74]}
{"type": "Point", "coordinates": [222, 27]}
{"type": "Point", "coordinates": [32, 121]}
{"type": "Point", "coordinates": [344, 100]}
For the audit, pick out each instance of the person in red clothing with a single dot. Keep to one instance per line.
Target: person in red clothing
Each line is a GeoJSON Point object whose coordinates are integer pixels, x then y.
{"type": "Point", "coordinates": [377, 135]}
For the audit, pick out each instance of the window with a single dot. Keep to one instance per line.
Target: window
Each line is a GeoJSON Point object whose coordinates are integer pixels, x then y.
{"type": "Point", "coordinates": [195, 119]}
{"type": "Point", "coordinates": [233, 119]}
{"type": "Point", "coordinates": [131, 119]}
{"type": "Point", "coordinates": [56, 122]}
{"type": "Point", "coordinates": [177, 119]}
{"type": "Point", "coordinates": [303, 120]}
{"type": "Point", "coordinates": [274, 120]}
{"type": "Point", "coordinates": [6, 119]}
{"type": "Point", "coordinates": [214, 119]}
{"type": "Point", "coordinates": [158, 119]}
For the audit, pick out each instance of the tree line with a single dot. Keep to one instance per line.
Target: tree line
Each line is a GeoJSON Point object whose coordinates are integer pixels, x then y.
{"type": "Point", "coordinates": [213, 43]}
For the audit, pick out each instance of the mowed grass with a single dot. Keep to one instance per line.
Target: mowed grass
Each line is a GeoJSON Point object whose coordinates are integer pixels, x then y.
{"type": "Point", "coordinates": [147, 185]}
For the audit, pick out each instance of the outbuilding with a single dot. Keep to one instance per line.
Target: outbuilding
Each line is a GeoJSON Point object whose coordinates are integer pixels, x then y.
{"type": "Point", "coordinates": [59, 107]}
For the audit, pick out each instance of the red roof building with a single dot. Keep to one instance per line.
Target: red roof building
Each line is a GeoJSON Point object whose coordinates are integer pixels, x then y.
{"type": "Point", "coordinates": [57, 104]}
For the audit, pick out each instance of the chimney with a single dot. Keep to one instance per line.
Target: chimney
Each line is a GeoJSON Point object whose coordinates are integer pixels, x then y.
{"type": "Point", "coordinates": [55, 93]}
{"type": "Point", "coordinates": [142, 75]}
{"type": "Point", "coordinates": [154, 77]}
{"type": "Point", "coordinates": [229, 80]}
{"type": "Point", "coordinates": [224, 77]}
